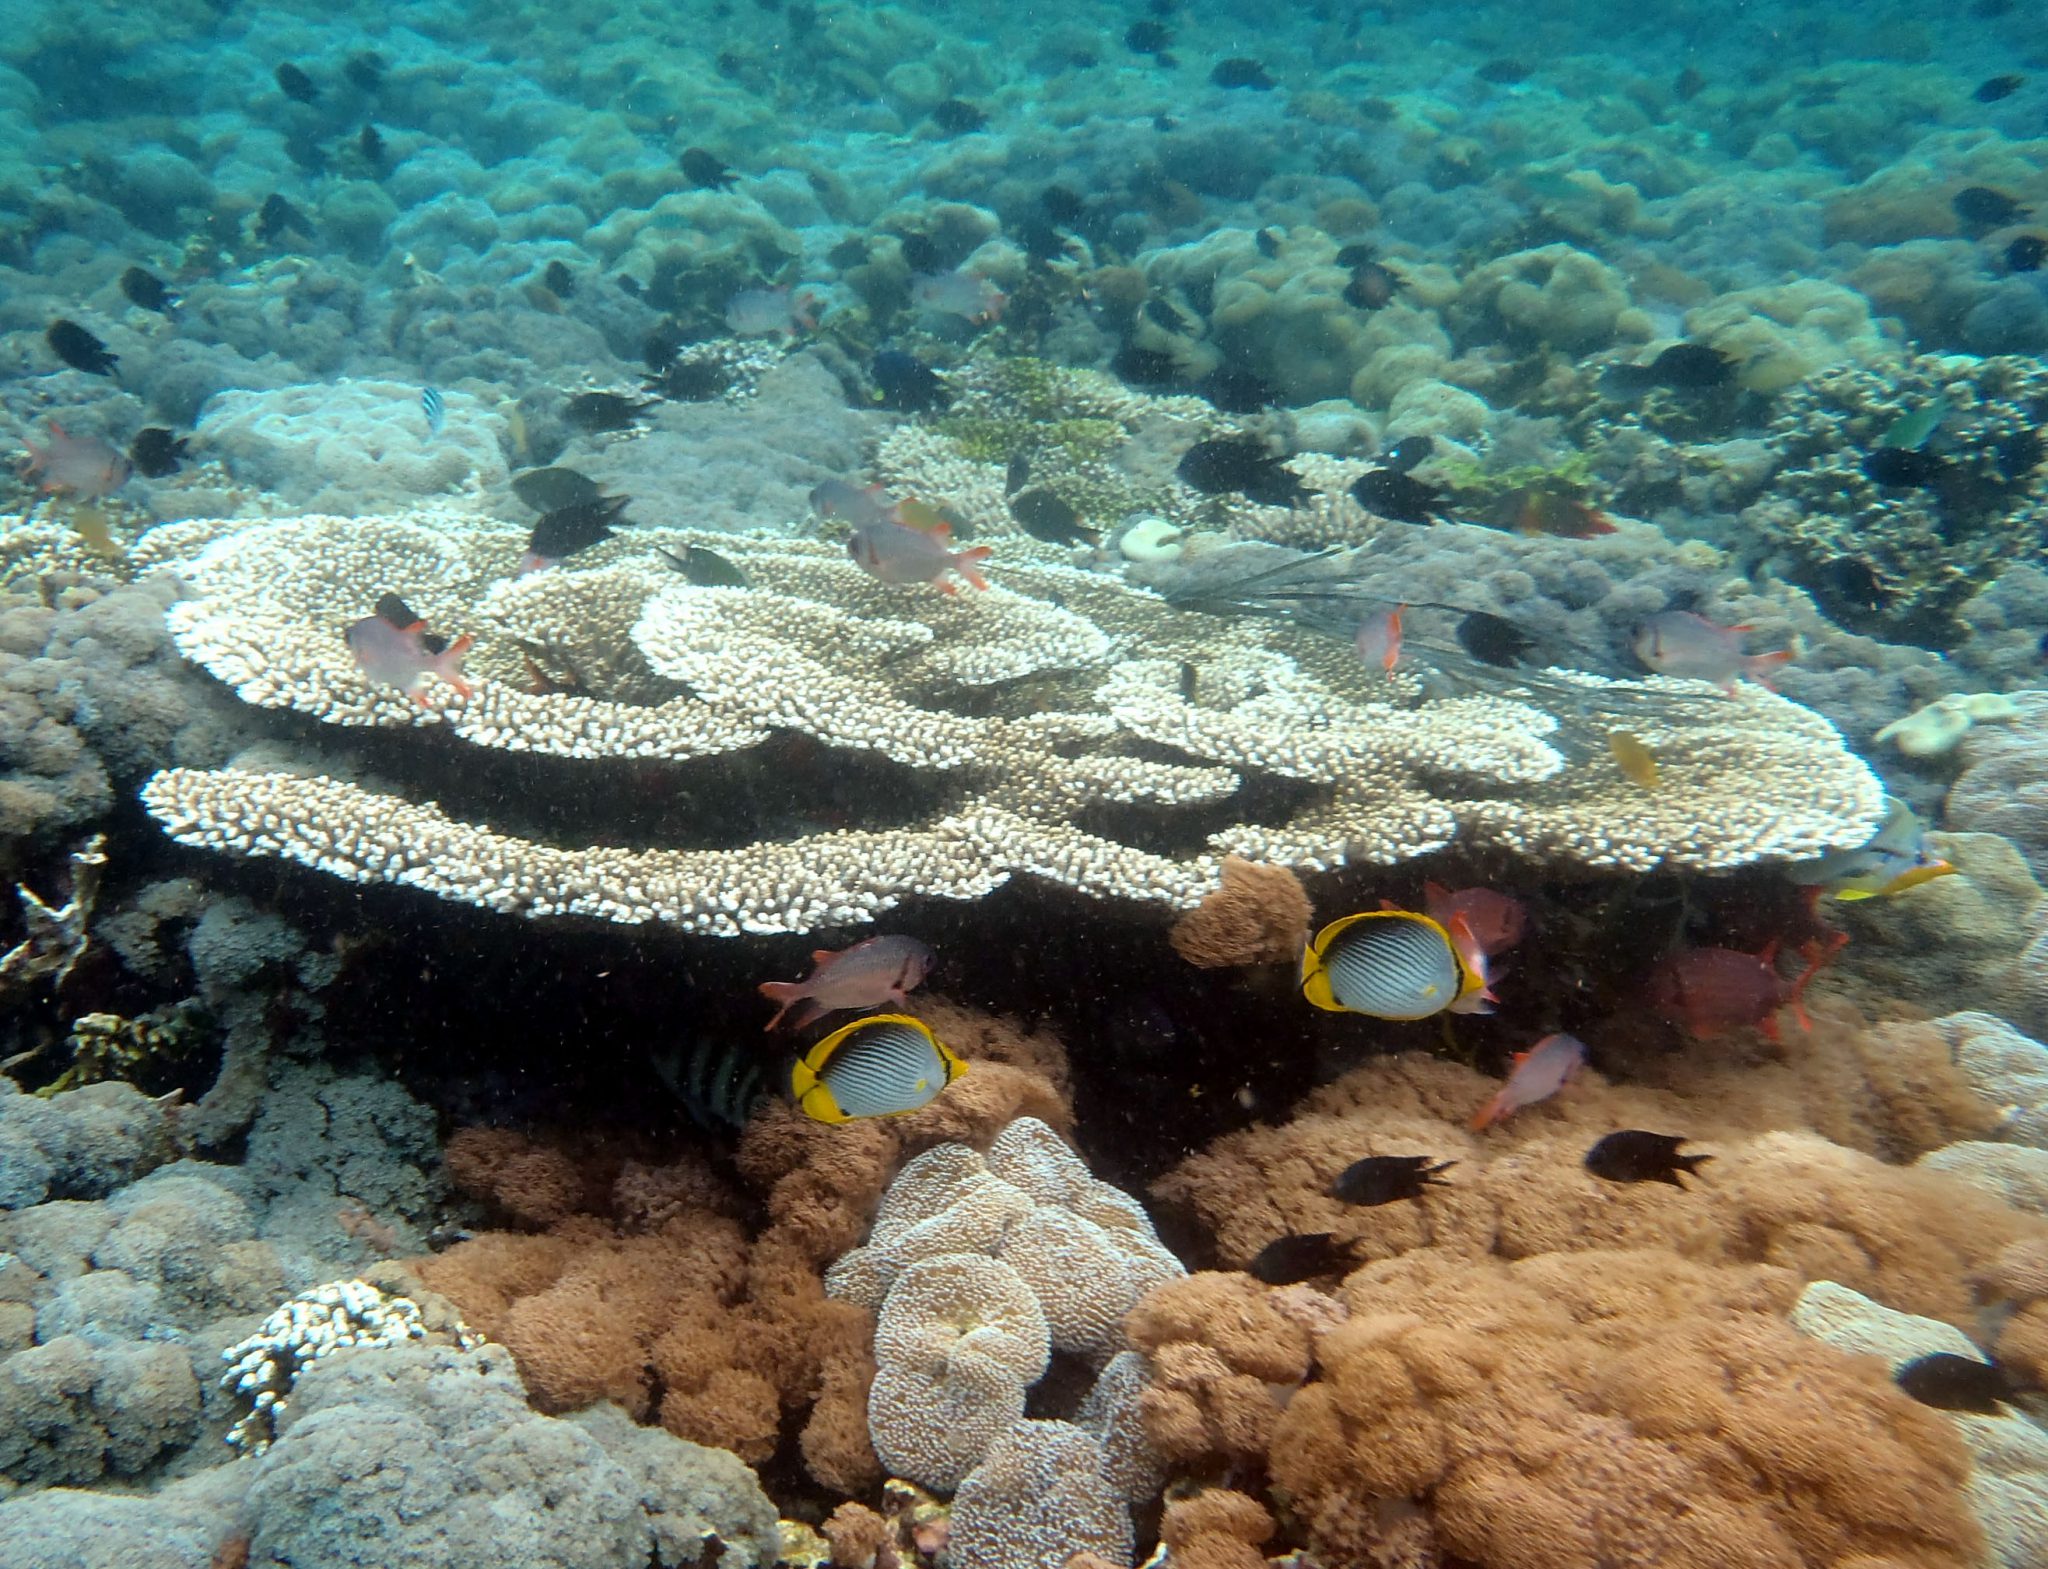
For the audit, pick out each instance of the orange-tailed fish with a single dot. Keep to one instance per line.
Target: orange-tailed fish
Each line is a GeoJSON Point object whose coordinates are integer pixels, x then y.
{"type": "Point", "coordinates": [867, 975]}
{"type": "Point", "coordinates": [1680, 643]}
{"type": "Point", "coordinates": [394, 648]}
{"type": "Point", "coordinates": [1636, 761]}
{"type": "Point", "coordinates": [900, 555]}
{"type": "Point", "coordinates": [1391, 964]}
{"type": "Point", "coordinates": [1538, 1073]}
{"type": "Point", "coordinates": [1496, 919]}
{"type": "Point", "coordinates": [1379, 639]}
{"type": "Point", "coordinates": [881, 1066]}
{"type": "Point", "coordinates": [1895, 858]}
{"type": "Point", "coordinates": [83, 467]}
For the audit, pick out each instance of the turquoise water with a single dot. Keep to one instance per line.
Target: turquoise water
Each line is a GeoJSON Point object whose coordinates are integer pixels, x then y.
{"type": "Point", "coordinates": [1315, 648]}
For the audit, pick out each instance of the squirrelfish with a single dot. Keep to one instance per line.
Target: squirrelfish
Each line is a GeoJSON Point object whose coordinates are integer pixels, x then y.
{"type": "Point", "coordinates": [394, 648]}
{"type": "Point", "coordinates": [1680, 643]}
{"type": "Point", "coordinates": [1895, 858]}
{"type": "Point", "coordinates": [901, 555]}
{"type": "Point", "coordinates": [754, 313]}
{"type": "Point", "coordinates": [83, 467]}
{"type": "Point", "coordinates": [1391, 964]}
{"type": "Point", "coordinates": [881, 1066]}
{"type": "Point", "coordinates": [867, 975]}
{"type": "Point", "coordinates": [1709, 991]}
{"type": "Point", "coordinates": [964, 294]}
{"type": "Point", "coordinates": [1538, 1073]}
{"type": "Point", "coordinates": [1379, 639]}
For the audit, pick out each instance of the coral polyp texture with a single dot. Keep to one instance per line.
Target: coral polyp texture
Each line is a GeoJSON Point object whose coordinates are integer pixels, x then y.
{"type": "Point", "coordinates": [1021, 717]}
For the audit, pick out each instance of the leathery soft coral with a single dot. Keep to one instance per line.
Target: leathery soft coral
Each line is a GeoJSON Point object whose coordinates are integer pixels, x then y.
{"type": "Point", "coordinates": [632, 1280]}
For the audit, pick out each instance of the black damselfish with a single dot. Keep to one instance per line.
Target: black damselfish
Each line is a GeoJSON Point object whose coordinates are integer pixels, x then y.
{"type": "Point", "coordinates": [569, 529]}
{"type": "Point", "coordinates": [1684, 367]}
{"type": "Point", "coordinates": [1240, 464]}
{"type": "Point", "coordinates": [1235, 390]}
{"type": "Point", "coordinates": [146, 289]}
{"type": "Point", "coordinates": [1306, 1255]}
{"type": "Point", "coordinates": [696, 380]}
{"type": "Point", "coordinates": [1044, 514]}
{"type": "Point", "coordinates": [1635, 1156]}
{"type": "Point", "coordinates": [601, 411]}
{"type": "Point", "coordinates": [1241, 71]}
{"type": "Point", "coordinates": [156, 453]}
{"type": "Point", "coordinates": [1387, 1179]}
{"type": "Point", "coordinates": [78, 348]}
{"type": "Point", "coordinates": [705, 170]}
{"type": "Point", "coordinates": [1980, 204]}
{"type": "Point", "coordinates": [1900, 467]}
{"type": "Point", "coordinates": [1493, 640]}
{"type": "Point", "coordinates": [1955, 1383]}
{"type": "Point", "coordinates": [957, 117]}
{"type": "Point", "coordinates": [296, 84]}
{"type": "Point", "coordinates": [904, 382]}
{"type": "Point", "coordinates": [546, 489]}
{"type": "Point", "coordinates": [1395, 495]}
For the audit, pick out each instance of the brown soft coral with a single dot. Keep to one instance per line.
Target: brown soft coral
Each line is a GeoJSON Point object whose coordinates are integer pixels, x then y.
{"type": "Point", "coordinates": [1224, 1358]}
{"type": "Point", "coordinates": [1217, 1528]}
{"type": "Point", "coordinates": [1612, 1407]}
{"type": "Point", "coordinates": [644, 1284]}
{"type": "Point", "coordinates": [1259, 915]}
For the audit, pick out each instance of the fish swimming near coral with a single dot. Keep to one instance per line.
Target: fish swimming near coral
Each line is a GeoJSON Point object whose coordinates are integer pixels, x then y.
{"type": "Point", "coordinates": [882, 1066]}
{"type": "Point", "coordinates": [1045, 514]}
{"type": "Point", "coordinates": [858, 506]}
{"type": "Point", "coordinates": [1949, 1382]}
{"type": "Point", "coordinates": [1986, 207]}
{"type": "Point", "coordinates": [2025, 253]}
{"type": "Point", "coordinates": [1240, 464]}
{"type": "Point", "coordinates": [898, 554]}
{"type": "Point", "coordinates": [157, 453]}
{"type": "Point", "coordinates": [705, 568]}
{"type": "Point", "coordinates": [1538, 1073]}
{"type": "Point", "coordinates": [1493, 640]}
{"type": "Point", "coordinates": [598, 412]}
{"type": "Point", "coordinates": [957, 117]}
{"type": "Point", "coordinates": [82, 467]}
{"type": "Point", "coordinates": [905, 383]}
{"type": "Point", "coordinates": [1893, 860]}
{"type": "Point", "coordinates": [435, 407]}
{"type": "Point", "coordinates": [1392, 493]}
{"type": "Point", "coordinates": [1497, 920]}
{"type": "Point", "coordinates": [1378, 640]}
{"type": "Point", "coordinates": [719, 1084]}
{"type": "Point", "coordinates": [967, 295]}
{"type": "Point", "coordinates": [1709, 991]}
{"type": "Point", "coordinates": [1635, 1156]}
{"type": "Point", "coordinates": [1638, 764]}
{"type": "Point", "coordinates": [869, 974]}
{"type": "Point", "coordinates": [394, 648]}
{"type": "Point", "coordinates": [697, 379]}
{"type": "Point", "coordinates": [1388, 1179]}
{"type": "Point", "coordinates": [1911, 429]}
{"type": "Point", "coordinates": [1305, 1255]}
{"type": "Point", "coordinates": [1242, 71]}
{"type": "Point", "coordinates": [778, 313]}
{"type": "Point", "coordinates": [1993, 88]}
{"type": "Point", "coordinates": [79, 349]}
{"type": "Point", "coordinates": [278, 219]}
{"type": "Point", "coordinates": [546, 489]}
{"type": "Point", "coordinates": [705, 170]}
{"type": "Point", "coordinates": [1390, 964]}
{"type": "Point", "coordinates": [566, 530]}
{"type": "Point", "coordinates": [1683, 643]}
{"type": "Point", "coordinates": [1538, 509]}
{"type": "Point", "coordinates": [296, 84]}
{"type": "Point", "coordinates": [1683, 367]}
{"type": "Point", "coordinates": [145, 289]}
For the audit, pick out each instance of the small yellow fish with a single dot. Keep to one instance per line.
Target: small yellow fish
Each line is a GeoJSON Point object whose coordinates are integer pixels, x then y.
{"type": "Point", "coordinates": [90, 524]}
{"type": "Point", "coordinates": [1636, 761]}
{"type": "Point", "coordinates": [515, 423]}
{"type": "Point", "coordinates": [922, 516]}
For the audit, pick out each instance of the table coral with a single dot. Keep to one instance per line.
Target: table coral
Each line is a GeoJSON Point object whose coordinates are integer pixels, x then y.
{"type": "Point", "coordinates": [1020, 711]}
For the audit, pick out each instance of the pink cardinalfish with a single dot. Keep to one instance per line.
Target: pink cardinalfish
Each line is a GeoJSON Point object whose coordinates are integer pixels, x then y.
{"type": "Point", "coordinates": [1379, 639]}
{"type": "Point", "coordinates": [897, 553]}
{"type": "Point", "coordinates": [394, 648]}
{"type": "Point", "coordinates": [1680, 643]}
{"type": "Point", "coordinates": [1538, 1073]}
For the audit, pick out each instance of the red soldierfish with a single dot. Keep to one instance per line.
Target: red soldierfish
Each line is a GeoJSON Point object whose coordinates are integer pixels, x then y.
{"type": "Point", "coordinates": [1679, 643]}
{"type": "Point", "coordinates": [901, 555]}
{"type": "Point", "coordinates": [82, 466]}
{"type": "Point", "coordinates": [1379, 639]}
{"type": "Point", "coordinates": [1496, 920]}
{"type": "Point", "coordinates": [1709, 991]}
{"type": "Point", "coordinates": [1539, 1073]}
{"type": "Point", "coordinates": [394, 648]}
{"type": "Point", "coordinates": [870, 974]}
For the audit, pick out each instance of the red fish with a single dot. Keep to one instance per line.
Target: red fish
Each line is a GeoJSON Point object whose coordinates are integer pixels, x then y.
{"type": "Point", "coordinates": [394, 648]}
{"type": "Point", "coordinates": [1496, 920]}
{"type": "Point", "coordinates": [1477, 995]}
{"type": "Point", "coordinates": [1535, 510]}
{"type": "Point", "coordinates": [1709, 991]}
{"type": "Point", "coordinates": [1538, 1073]}
{"type": "Point", "coordinates": [1379, 639]}
{"type": "Point", "coordinates": [901, 555]}
{"type": "Point", "coordinates": [81, 466]}
{"type": "Point", "coordinates": [868, 975]}
{"type": "Point", "coordinates": [1679, 643]}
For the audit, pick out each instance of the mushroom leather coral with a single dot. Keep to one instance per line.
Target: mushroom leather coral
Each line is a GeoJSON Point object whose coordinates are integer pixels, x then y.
{"type": "Point", "coordinates": [1613, 1407]}
{"type": "Point", "coordinates": [643, 1289]}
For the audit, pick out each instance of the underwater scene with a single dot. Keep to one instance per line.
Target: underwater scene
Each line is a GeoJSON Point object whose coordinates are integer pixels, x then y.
{"type": "Point", "coordinates": [1131, 782]}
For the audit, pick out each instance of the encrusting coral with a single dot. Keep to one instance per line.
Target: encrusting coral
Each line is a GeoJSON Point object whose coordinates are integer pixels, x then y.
{"type": "Point", "coordinates": [638, 1284]}
{"type": "Point", "coordinates": [1020, 712]}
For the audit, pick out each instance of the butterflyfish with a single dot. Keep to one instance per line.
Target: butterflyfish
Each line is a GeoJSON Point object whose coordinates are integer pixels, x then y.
{"type": "Point", "coordinates": [1391, 964]}
{"type": "Point", "coordinates": [880, 1066]}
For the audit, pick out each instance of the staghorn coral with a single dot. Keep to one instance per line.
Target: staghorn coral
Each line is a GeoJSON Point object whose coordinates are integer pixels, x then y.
{"type": "Point", "coordinates": [1612, 1406]}
{"type": "Point", "coordinates": [643, 1286]}
{"type": "Point", "coordinates": [1023, 715]}
{"type": "Point", "coordinates": [1900, 561]}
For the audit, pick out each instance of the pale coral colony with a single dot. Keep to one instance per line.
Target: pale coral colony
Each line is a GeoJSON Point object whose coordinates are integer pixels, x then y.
{"type": "Point", "coordinates": [1363, 693]}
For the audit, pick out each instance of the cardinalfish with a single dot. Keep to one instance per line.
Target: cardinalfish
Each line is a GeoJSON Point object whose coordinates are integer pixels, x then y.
{"type": "Point", "coordinates": [1896, 858]}
{"type": "Point", "coordinates": [394, 648]}
{"type": "Point", "coordinates": [1379, 639]}
{"type": "Point", "coordinates": [1395, 964]}
{"type": "Point", "coordinates": [82, 467]}
{"type": "Point", "coordinates": [1538, 1073]}
{"type": "Point", "coordinates": [881, 1066]}
{"type": "Point", "coordinates": [901, 555]}
{"type": "Point", "coordinates": [867, 975]}
{"type": "Point", "coordinates": [964, 294]}
{"type": "Point", "coordinates": [1680, 643]}
{"type": "Point", "coordinates": [756, 313]}
{"type": "Point", "coordinates": [1710, 991]}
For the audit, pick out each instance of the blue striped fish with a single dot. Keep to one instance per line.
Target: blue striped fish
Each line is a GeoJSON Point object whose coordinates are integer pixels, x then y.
{"type": "Point", "coordinates": [1392, 964]}
{"type": "Point", "coordinates": [880, 1066]}
{"type": "Point", "coordinates": [436, 409]}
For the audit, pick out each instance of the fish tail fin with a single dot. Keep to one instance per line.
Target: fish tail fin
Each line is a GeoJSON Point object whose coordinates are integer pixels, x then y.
{"type": "Point", "coordinates": [963, 563]}
{"type": "Point", "coordinates": [790, 999]}
{"type": "Point", "coordinates": [1690, 1164]}
{"type": "Point", "coordinates": [448, 668]}
{"type": "Point", "coordinates": [1493, 1111]}
{"type": "Point", "coordinates": [1759, 666]}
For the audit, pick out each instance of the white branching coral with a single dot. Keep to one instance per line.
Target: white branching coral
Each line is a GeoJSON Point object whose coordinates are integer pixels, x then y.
{"type": "Point", "coordinates": [1020, 717]}
{"type": "Point", "coordinates": [339, 1316]}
